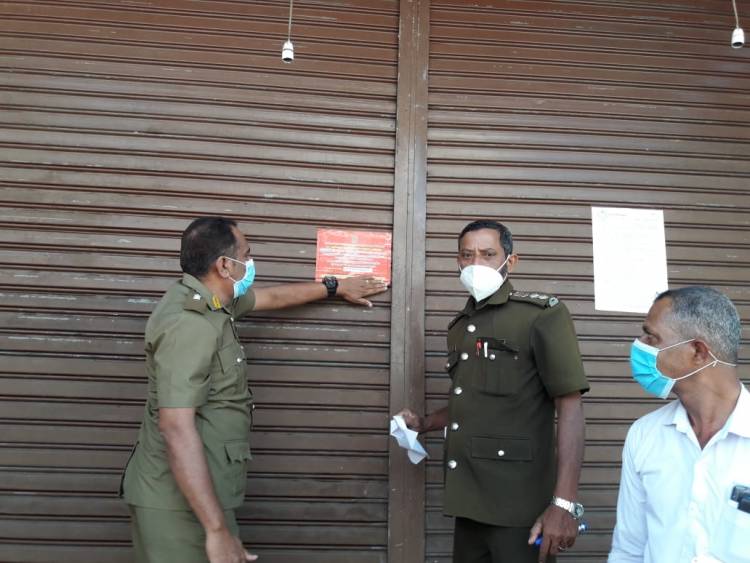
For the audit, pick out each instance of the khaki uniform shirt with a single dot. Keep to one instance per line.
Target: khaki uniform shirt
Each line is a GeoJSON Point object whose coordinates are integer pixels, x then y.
{"type": "Point", "coordinates": [509, 356]}
{"type": "Point", "coordinates": [194, 359]}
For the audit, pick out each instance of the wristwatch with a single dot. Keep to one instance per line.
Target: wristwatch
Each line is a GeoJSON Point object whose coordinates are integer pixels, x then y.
{"type": "Point", "coordinates": [574, 508]}
{"type": "Point", "coordinates": [332, 284]}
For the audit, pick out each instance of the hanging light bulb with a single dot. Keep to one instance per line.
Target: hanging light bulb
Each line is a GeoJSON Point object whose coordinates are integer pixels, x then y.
{"type": "Point", "coordinates": [287, 51]}
{"type": "Point", "coordinates": [738, 35]}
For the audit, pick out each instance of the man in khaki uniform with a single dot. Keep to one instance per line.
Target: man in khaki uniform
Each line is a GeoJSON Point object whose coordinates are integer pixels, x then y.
{"type": "Point", "coordinates": [188, 468]}
{"type": "Point", "coordinates": [513, 360]}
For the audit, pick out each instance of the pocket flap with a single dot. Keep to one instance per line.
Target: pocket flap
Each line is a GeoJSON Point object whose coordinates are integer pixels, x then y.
{"type": "Point", "coordinates": [501, 448]}
{"type": "Point", "coordinates": [451, 361]}
{"type": "Point", "coordinates": [230, 357]}
{"type": "Point", "coordinates": [500, 344]}
{"type": "Point", "coordinates": [237, 451]}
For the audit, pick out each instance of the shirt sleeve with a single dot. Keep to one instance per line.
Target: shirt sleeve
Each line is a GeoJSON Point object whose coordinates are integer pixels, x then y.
{"type": "Point", "coordinates": [555, 347]}
{"type": "Point", "coordinates": [182, 362]}
{"type": "Point", "coordinates": [244, 304]}
{"type": "Point", "coordinates": [629, 539]}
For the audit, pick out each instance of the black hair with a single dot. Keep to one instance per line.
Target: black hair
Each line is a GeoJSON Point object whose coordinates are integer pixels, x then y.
{"type": "Point", "coordinates": [205, 240]}
{"type": "Point", "coordinates": [503, 233]}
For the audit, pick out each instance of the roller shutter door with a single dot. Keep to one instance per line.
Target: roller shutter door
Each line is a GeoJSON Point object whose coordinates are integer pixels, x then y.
{"type": "Point", "coordinates": [540, 110]}
{"type": "Point", "coordinates": [120, 122]}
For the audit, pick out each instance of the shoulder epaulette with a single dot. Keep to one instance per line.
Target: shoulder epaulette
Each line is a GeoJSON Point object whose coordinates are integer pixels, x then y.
{"type": "Point", "coordinates": [538, 299]}
{"type": "Point", "coordinates": [195, 302]}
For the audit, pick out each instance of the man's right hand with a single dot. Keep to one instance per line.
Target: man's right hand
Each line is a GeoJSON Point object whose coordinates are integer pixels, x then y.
{"type": "Point", "coordinates": [223, 547]}
{"type": "Point", "coordinates": [412, 420]}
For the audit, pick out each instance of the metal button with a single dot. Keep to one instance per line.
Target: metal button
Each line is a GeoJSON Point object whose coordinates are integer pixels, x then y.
{"type": "Point", "coordinates": [492, 356]}
{"type": "Point", "coordinates": [196, 297]}
{"type": "Point", "coordinates": [464, 356]}
{"type": "Point", "coordinates": [452, 464]}
{"type": "Point", "coordinates": [454, 426]}
{"type": "Point", "coordinates": [447, 365]}
{"type": "Point", "coordinates": [471, 328]}
{"type": "Point", "coordinates": [239, 360]}
{"type": "Point", "coordinates": [231, 319]}
{"type": "Point", "coordinates": [500, 453]}
{"type": "Point", "coordinates": [458, 391]}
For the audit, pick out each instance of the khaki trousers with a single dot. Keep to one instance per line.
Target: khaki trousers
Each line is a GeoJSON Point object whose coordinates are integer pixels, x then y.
{"type": "Point", "coordinates": [171, 536]}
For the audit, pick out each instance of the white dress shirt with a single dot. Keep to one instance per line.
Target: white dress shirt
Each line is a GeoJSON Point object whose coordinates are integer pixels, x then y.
{"type": "Point", "coordinates": [674, 504]}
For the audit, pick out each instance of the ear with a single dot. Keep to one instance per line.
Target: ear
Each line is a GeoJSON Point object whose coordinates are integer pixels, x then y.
{"type": "Point", "coordinates": [701, 352]}
{"type": "Point", "coordinates": [512, 261]}
{"type": "Point", "coordinates": [221, 267]}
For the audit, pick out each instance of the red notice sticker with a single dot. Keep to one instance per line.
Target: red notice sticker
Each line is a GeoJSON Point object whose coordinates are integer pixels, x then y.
{"type": "Point", "coordinates": [352, 253]}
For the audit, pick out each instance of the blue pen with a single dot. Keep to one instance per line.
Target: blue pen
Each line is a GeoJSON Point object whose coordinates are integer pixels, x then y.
{"type": "Point", "coordinates": [582, 527]}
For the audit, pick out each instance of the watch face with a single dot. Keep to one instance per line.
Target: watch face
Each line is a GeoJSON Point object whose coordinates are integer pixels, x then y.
{"type": "Point", "coordinates": [577, 509]}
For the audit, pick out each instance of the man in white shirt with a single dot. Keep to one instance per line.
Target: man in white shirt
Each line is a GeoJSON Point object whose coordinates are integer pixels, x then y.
{"type": "Point", "coordinates": [684, 466]}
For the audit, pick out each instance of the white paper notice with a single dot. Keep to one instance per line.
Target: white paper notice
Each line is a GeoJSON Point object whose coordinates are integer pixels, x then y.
{"type": "Point", "coordinates": [630, 258]}
{"type": "Point", "coordinates": [407, 439]}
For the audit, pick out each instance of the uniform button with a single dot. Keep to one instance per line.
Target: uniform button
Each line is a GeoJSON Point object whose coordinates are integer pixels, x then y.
{"type": "Point", "coordinates": [239, 360]}
{"type": "Point", "coordinates": [458, 391]}
{"type": "Point", "coordinates": [454, 426]}
{"type": "Point", "coordinates": [447, 365]}
{"type": "Point", "coordinates": [452, 464]}
{"type": "Point", "coordinates": [464, 356]}
{"type": "Point", "coordinates": [231, 319]}
{"type": "Point", "coordinates": [500, 453]}
{"type": "Point", "coordinates": [471, 328]}
{"type": "Point", "coordinates": [196, 297]}
{"type": "Point", "coordinates": [492, 356]}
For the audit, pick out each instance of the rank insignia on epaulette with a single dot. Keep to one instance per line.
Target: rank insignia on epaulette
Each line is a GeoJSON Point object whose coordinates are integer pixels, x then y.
{"type": "Point", "coordinates": [215, 302]}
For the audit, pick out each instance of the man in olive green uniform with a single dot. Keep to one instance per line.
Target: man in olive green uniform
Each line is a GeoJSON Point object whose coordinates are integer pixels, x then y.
{"type": "Point", "coordinates": [188, 468]}
{"type": "Point", "coordinates": [513, 360]}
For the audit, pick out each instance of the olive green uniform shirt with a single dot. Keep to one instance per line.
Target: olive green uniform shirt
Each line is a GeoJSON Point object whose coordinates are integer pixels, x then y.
{"type": "Point", "coordinates": [194, 359]}
{"type": "Point", "coordinates": [509, 356]}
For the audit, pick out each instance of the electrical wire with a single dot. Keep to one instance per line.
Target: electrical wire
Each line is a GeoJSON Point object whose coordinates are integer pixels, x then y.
{"type": "Point", "coordinates": [734, 7]}
{"type": "Point", "coordinates": [289, 29]}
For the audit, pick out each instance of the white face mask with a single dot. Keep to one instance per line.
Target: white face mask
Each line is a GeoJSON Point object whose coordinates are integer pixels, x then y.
{"type": "Point", "coordinates": [482, 281]}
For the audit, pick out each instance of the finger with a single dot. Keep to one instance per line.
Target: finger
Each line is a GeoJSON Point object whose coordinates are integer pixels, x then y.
{"type": "Point", "coordinates": [536, 529]}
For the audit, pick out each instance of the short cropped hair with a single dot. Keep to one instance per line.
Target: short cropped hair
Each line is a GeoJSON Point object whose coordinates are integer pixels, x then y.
{"type": "Point", "coordinates": [704, 313]}
{"type": "Point", "coordinates": [503, 233]}
{"type": "Point", "coordinates": [205, 240]}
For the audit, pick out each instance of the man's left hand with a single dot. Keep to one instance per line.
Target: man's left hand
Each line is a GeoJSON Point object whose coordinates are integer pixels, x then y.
{"type": "Point", "coordinates": [559, 530]}
{"type": "Point", "coordinates": [355, 289]}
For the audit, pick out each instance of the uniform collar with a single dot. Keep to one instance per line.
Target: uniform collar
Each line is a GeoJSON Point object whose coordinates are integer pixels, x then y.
{"type": "Point", "coordinates": [500, 297]}
{"type": "Point", "coordinates": [196, 285]}
{"type": "Point", "coordinates": [738, 422]}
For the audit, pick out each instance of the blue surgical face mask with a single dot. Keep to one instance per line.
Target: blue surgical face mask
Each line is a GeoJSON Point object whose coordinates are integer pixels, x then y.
{"type": "Point", "coordinates": [243, 284]}
{"type": "Point", "coordinates": [643, 360]}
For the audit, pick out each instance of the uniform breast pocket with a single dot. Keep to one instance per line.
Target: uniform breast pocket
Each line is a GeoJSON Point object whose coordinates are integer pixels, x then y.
{"type": "Point", "coordinates": [731, 543]}
{"type": "Point", "coordinates": [227, 377]}
{"type": "Point", "coordinates": [500, 373]}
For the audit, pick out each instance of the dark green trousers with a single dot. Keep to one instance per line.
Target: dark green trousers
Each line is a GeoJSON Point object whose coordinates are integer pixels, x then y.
{"type": "Point", "coordinates": [171, 536]}
{"type": "Point", "coordinates": [474, 542]}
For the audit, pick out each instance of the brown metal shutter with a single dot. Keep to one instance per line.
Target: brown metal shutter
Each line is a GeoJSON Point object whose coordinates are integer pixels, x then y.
{"type": "Point", "coordinates": [539, 110]}
{"type": "Point", "coordinates": [121, 121]}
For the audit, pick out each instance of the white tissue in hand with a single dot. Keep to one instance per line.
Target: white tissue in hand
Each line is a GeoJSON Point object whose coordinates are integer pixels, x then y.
{"type": "Point", "coordinates": [407, 439]}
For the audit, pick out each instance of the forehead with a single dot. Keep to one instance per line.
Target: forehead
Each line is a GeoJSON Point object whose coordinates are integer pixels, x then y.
{"type": "Point", "coordinates": [240, 238]}
{"type": "Point", "coordinates": [483, 238]}
{"type": "Point", "coordinates": [657, 315]}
